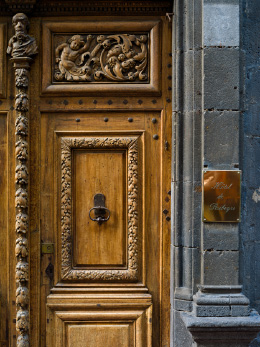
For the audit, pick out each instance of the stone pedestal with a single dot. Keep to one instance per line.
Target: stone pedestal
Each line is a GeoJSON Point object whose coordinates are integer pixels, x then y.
{"type": "Point", "coordinates": [222, 331]}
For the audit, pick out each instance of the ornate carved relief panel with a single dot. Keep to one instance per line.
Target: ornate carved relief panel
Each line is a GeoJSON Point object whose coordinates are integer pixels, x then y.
{"type": "Point", "coordinates": [102, 56]}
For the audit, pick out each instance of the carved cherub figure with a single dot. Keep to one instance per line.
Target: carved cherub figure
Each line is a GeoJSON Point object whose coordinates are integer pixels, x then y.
{"type": "Point", "coordinates": [69, 65]}
{"type": "Point", "coordinates": [21, 44]}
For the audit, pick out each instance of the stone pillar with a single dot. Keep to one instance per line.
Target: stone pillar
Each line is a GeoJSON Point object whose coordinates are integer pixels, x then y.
{"type": "Point", "coordinates": [22, 47]}
{"type": "Point", "coordinates": [209, 307]}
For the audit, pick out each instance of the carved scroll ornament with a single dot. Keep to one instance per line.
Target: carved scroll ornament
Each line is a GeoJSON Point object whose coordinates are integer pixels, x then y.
{"type": "Point", "coordinates": [22, 47]}
{"type": "Point", "coordinates": [119, 58]}
{"type": "Point", "coordinates": [134, 237]}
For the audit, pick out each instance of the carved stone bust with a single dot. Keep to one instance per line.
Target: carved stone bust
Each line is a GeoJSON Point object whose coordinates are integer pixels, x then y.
{"type": "Point", "coordinates": [21, 44]}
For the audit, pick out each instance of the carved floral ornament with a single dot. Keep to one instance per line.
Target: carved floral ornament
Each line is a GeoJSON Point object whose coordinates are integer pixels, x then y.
{"type": "Point", "coordinates": [134, 242]}
{"type": "Point", "coordinates": [95, 58]}
{"type": "Point", "coordinates": [22, 47]}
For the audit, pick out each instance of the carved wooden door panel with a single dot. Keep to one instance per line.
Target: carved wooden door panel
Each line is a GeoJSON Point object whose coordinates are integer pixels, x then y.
{"type": "Point", "coordinates": [99, 170]}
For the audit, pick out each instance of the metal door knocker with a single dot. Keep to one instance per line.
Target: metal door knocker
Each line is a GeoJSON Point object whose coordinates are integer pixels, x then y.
{"type": "Point", "coordinates": [102, 213]}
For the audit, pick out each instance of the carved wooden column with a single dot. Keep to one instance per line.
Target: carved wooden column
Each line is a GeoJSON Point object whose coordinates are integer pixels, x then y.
{"type": "Point", "coordinates": [22, 47]}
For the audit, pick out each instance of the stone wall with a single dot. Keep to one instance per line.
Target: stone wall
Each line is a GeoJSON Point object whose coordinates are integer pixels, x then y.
{"type": "Point", "coordinates": [250, 146]}
{"type": "Point", "coordinates": [215, 127]}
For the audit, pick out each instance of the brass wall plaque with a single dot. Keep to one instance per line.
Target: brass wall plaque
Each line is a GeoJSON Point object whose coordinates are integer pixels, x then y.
{"type": "Point", "coordinates": [221, 196]}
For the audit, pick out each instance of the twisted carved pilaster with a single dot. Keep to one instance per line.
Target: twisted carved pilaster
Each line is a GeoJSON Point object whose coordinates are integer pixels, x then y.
{"type": "Point", "coordinates": [22, 47]}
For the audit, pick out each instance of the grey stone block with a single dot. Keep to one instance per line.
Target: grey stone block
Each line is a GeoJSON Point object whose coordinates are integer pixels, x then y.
{"type": "Point", "coordinates": [182, 337]}
{"type": "Point", "coordinates": [191, 140]}
{"type": "Point", "coordinates": [256, 342]}
{"type": "Point", "coordinates": [183, 305]}
{"type": "Point", "coordinates": [221, 143]}
{"type": "Point", "coordinates": [221, 23]}
{"type": "Point", "coordinates": [239, 311]}
{"type": "Point", "coordinates": [187, 273]}
{"type": "Point", "coordinates": [221, 81]}
{"type": "Point", "coordinates": [192, 92]}
{"type": "Point", "coordinates": [212, 311]}
{"type": "Point", "coordinates": [234, 2]}
{"type": "Point", "coordinates": [191, 24]}
{"type": "Point", "coordinates": [250, 271]}
{"type": "Point", "coordinates": [221, 267]}
{"type": "Point", "coordinates": [251, 177]}
{"type": "Point", "coordinates": [189, 262]}
{"type": "Point", "coordinates": [220, 239]}
{"type": "Point", "coordinates": [222, 331]}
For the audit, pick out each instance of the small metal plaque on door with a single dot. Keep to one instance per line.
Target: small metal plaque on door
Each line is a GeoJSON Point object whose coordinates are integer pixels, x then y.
{"type": "Point", "coordinates": [221, 196]}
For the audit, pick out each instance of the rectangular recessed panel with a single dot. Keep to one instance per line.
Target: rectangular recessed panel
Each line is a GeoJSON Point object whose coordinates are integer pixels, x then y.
{"type": "Point", "coordinates": [95, 335]}
{"type": "Point", "coordinates": [99, 172]}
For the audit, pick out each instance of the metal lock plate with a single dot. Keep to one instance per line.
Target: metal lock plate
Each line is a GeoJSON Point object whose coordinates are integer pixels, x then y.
{"type": "Point", "coordinates": [47, 248]}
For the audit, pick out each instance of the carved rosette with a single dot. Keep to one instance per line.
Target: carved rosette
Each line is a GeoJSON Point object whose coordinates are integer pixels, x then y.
{"type": "Point", "coordinates": [22, 47]}
{"type": "Point", "coordinates": [134, 242]}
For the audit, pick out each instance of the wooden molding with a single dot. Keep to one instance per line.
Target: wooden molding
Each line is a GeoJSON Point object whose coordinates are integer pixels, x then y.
{"type": "Point", "coordinates": [86, 8]}
{"type": "Point", "coordinates": [68, 272]}
{"type": "Point", "coordinates": [2, 60]}
{"type": "Point", "coordinates": [123, 321]}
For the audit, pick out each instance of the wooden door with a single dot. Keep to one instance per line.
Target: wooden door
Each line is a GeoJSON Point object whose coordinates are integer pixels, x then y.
{"type": "Point", "coordinates": [100, 153]}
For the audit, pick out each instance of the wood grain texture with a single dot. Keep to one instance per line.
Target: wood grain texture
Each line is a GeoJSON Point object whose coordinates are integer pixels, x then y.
{"type": "Point", "coordinates": [99, 246]}
{"type": "Point", "coordinates": [2, 60]}
{"type": "Point", "coordinates": [94, 335]}
{"type": "Point", "coordinates": [128, 325]}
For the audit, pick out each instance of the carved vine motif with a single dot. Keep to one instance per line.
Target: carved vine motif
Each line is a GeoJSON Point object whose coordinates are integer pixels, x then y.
{"type": "Point", "coordinates": [22, 271]}
{"type": "Point", "coordinates": [21, 198]}
{"type": "Point", "coordinates": [21, 149]}
{"type": "Point", "coordinates": [23, 341]}
{"type": "Point", "coordinates": [21, 47]}
{"type": "Point", "coordinates": [21, 174]}
{"type": "Point", "coordinates": [21, 249]}
{"type": "Point", "coordinates": [67, 271]}
{"type": "Point", "coordinates": [21, 78]}
{"type": "Point", "coordinates": [119, 58]}
{"type": "Point", "coordinates": [22, 223]}
{"type": "Point", "coordinates": [22, 321]}
{"type": "Point", "coordinates": [21, 125]}
{"type": "Point", "coordinates": [21, 102]}
{"type": "Point", "coordinates": [22, 296]}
